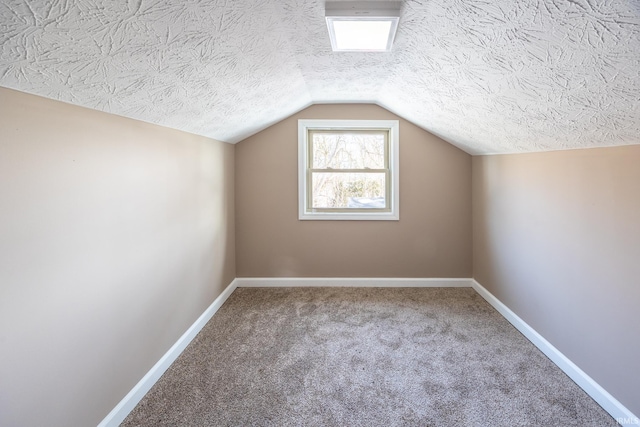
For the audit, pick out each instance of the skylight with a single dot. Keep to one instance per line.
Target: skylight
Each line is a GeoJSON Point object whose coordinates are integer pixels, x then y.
{"type": "Point", "coordinates": [362, 26]}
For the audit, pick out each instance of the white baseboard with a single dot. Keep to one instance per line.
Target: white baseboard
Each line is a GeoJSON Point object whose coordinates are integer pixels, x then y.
{"type": "Point", "coordinates": [126, 405]}
{"type": "Point", "coordinates": [609, 403]}
{"type": "Point", "coordinates": [375, 282]}
{"type": "Point", "coordinates": [600, 395]}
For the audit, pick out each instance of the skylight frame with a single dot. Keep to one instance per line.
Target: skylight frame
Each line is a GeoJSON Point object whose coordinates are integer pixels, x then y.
{"type": "Point", "coordinates": [362, 12]}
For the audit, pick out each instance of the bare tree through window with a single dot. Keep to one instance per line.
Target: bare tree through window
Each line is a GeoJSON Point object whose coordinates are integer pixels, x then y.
{"type": "Point", "coordinates": [349, 169]}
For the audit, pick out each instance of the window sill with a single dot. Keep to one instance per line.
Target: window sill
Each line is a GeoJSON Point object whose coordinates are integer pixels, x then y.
{"type": "Point", "coordinates": [342, 216]}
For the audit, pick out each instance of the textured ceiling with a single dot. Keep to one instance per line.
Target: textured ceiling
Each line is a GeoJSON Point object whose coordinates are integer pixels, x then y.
{"type": "Point", "coordinates": [489, 76]}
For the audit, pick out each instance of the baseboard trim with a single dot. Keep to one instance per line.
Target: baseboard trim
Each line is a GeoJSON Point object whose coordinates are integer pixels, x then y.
{"type": "Point", "coordinates": [369, 282]}
{"type": "Point", "coordinates": [126, 405]}
{"type": "Point", "coordinates": [609, 403]}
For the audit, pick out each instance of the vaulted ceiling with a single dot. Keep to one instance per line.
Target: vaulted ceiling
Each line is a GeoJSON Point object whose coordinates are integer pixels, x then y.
{"type": "Point", "coordinates": [490, 76]}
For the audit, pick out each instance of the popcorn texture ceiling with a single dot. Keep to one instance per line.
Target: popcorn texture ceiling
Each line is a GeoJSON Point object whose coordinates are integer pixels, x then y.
{"type": "Point", "coordinates": [490, 76]}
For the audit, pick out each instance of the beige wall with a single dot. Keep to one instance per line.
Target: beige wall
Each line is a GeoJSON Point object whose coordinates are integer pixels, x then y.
{"type": "Point", "coordinates": [115, 235]}
{"type": "Point", "coordinates": [556, 237]}
{"type": "Point", "coordinates": [432, 238]}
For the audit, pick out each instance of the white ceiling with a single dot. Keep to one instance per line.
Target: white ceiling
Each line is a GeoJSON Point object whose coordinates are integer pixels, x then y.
{"type": "Point", "coordinates": [490, 76]}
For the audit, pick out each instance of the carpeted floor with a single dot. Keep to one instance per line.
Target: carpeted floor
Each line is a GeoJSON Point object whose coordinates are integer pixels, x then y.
{"type": "Point", "coordinates": [363, 357]}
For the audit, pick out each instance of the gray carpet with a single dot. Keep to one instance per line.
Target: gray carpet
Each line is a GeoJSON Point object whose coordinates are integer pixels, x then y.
{"type": "Point", "coordinates": [363, 357]}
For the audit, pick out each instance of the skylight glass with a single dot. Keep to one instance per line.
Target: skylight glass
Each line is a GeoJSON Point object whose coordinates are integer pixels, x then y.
{"type": "Point", "coordinates": [353, 35]}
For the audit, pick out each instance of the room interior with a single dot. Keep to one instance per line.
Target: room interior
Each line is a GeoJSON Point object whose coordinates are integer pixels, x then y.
{"type": "Point", "coordinates": [148, 166]}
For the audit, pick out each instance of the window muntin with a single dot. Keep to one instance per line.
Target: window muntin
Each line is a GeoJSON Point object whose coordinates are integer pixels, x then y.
{"type": "Point", "coordinates": [348, 169]}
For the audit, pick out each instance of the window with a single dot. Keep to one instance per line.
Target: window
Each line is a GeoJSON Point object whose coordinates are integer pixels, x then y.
{"type": "Point", "coordinates": [348, 169]}
{"type": "Point", "coordinates": [364, 27]}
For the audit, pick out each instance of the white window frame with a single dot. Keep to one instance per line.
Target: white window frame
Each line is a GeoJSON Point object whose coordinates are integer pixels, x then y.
{"type": "Point", "coordinates": [392, 126]}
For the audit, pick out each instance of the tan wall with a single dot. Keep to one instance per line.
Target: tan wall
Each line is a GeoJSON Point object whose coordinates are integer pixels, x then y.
{"type": "Point", "coordinates": [557, 239]}
{"type": "Point", "coordinates": [115, 235]}
{"type": "Point", "coordinates": [432, 238]}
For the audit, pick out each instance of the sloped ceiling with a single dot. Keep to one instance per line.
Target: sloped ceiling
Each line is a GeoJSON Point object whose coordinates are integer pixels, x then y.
{"type": "Point", "coordinates": [489, 76]}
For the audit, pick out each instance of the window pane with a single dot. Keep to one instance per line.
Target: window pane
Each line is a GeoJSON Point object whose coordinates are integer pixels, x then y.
{"type": "Point", "coordinates": [348, 190]}
{"type": "Point", "coordinates": [348, 150]}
